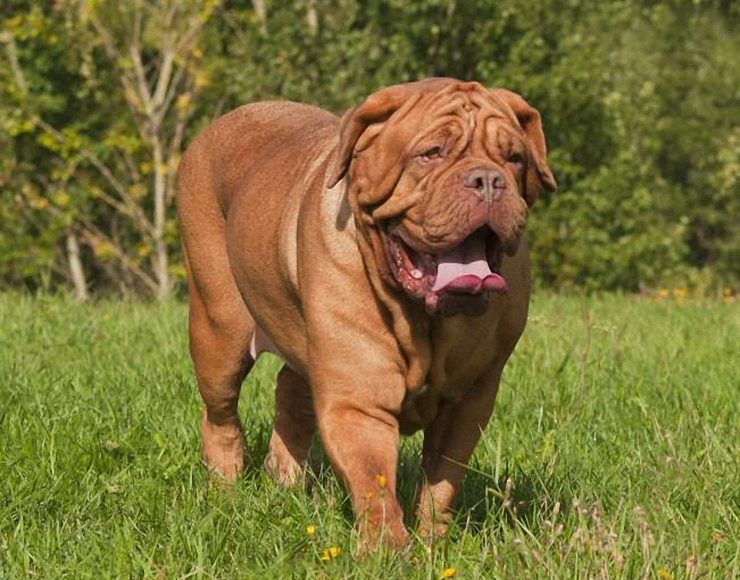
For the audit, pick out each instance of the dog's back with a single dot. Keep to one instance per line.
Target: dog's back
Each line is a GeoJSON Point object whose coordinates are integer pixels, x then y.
{"type": "Point", "coordinates": [249, 141]}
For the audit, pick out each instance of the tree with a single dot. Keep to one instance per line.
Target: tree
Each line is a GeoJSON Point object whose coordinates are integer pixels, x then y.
{"type": "Point", "coordinates": [137, 75]}
{"type": "Point", "coordinates": [97, 99]}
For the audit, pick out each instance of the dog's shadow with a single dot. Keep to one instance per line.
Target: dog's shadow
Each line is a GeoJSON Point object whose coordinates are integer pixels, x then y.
{"type": "Point", "coordinates": [515, 497]}
{"type": "Point", "coordinates": [486, 500]}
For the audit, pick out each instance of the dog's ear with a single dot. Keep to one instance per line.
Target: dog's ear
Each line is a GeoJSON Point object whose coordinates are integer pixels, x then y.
{"type": "Point", "coordinates": [539, 176]}
{"type": "Point", "coordinates": [377, 108]}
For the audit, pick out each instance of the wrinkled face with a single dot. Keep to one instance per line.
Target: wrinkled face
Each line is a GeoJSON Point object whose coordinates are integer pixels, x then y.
{"type": "Point", "coordinates": [442, 185]}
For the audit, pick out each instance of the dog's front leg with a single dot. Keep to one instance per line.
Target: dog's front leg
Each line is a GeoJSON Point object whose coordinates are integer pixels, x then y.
{"type": "Point", "coordinates": [357, 421]}
{"type": "Point", "coordinates": [448, 444]}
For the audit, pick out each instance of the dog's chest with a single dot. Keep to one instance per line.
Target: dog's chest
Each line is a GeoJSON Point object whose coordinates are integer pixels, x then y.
{"type": "Point", "coordinates": [454, 368]}
{"type": "Point", "coordinates": [462, 351]}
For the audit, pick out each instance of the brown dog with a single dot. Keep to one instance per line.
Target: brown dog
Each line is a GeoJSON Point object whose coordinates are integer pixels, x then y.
{"type": "Point", "coordinates": [382, 257]}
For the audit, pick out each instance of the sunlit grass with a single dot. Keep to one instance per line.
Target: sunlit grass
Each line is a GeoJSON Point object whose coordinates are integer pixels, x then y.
{"type": "Point", "coordinates": [613, 452]}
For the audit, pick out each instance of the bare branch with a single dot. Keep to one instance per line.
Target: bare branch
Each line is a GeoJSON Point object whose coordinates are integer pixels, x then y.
{"type": "Point", "coordinates": [131, 208]}
{"type": "Point", "coordinates": [93, 236]}
{"type": "Point", "coordinates": [141, 82]}
{"type": "Point", "coordinates": [136, 29]}
{"type": "Point", "coordinates": [133, 97]}
{"type": "Point", "coordinates": [165, 74]}
{"type": "Point", "coordinates": [109, 44]}
{"type": "Point", "coordinates": [183, 46]}
{"type": "Point", "coordinates": [173, 90]}
{"type": "Point", "coordinates": [12, 50]}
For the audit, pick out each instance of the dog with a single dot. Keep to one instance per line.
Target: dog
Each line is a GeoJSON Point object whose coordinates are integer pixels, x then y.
{"type": "Point", "coordinates": [382, 256]}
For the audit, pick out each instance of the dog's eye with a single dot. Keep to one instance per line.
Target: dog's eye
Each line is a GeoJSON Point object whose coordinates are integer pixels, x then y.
{"type": "Point", "coordinates": [516, 160]}
{"type": "Point", "coordinates": [431, 154]}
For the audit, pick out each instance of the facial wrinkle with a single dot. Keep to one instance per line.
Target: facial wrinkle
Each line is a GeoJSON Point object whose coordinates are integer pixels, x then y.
{"type": "Point", "coordinates": [446, 99]}
{"type": "Point", "coordinates": [490, 137]}
{"type": "Point", "coordinates": [450, 129]}
{"type": "Point", "coordinates": [396, 205]}
{"type": "Point", "coordinates": [469, 128]}
{"type": "Point", "coordinates": [368, 137]}
{"type": "Point", "coordinates": [505, 110]}
{"type": "Point", "coordinates": [402, 112]}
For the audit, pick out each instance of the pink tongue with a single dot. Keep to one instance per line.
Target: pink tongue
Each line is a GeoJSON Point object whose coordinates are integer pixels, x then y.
{"type": "Point", "coordinates": [465, 269]}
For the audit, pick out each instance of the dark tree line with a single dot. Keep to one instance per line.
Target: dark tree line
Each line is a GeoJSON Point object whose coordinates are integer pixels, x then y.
{"type": "Point", "coordinates": [640, 99]}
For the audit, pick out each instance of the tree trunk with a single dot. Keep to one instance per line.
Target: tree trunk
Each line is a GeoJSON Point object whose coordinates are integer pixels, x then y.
{"type": "Point", "coordinates": [312, 18]}
{"type": "Point", "coordinates": [75, 267]}
{"type": "Point", "coordinates": [261, 12]}
{"type": "Point", "coordinates": [161, 270]}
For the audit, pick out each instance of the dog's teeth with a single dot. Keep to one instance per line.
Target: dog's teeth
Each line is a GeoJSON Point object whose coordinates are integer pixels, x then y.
{"type": "Point", "coordinates": [415, 273]}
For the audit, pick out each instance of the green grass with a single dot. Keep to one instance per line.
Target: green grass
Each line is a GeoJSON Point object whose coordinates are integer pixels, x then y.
{"type": "Point", "coordinates": [613, 452]}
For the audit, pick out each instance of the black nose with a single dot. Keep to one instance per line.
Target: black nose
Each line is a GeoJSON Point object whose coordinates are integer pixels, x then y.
{"type": "Point", "coordinates": [487, 183]}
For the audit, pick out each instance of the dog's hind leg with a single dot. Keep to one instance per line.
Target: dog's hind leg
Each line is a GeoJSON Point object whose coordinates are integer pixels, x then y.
{"type": "Point", "coordinates": [221, 326]}
{"type": "Point", "coordinates": [295, 423]}
{"type": "Point", "coordinates": [219, 345]}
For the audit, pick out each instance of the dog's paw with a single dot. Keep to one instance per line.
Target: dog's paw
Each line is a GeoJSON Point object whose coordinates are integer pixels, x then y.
{"type": "Point", "coordinates": [223, 450]}
{"type": "Point", "coordinates": [284, 469]}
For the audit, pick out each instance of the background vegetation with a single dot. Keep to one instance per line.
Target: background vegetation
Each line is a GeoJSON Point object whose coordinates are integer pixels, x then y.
{"type": "Point", "coordinates": [613, 453]}
{"type": "Point", "coordinates": [641, 102]}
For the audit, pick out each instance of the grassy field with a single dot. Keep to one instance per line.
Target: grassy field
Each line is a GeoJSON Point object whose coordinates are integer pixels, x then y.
{"type": "Point", "coordinates": [614, 452]}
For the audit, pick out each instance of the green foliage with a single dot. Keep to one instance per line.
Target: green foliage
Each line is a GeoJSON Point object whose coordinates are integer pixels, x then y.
{"type": "Point", "coordinates": [616, 426]}
{"type": "Point", "coordinates": [640, 103]}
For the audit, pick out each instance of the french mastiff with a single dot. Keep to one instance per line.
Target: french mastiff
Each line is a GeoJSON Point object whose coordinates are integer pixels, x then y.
{"type": "Point", "coordinates": [382, 256]}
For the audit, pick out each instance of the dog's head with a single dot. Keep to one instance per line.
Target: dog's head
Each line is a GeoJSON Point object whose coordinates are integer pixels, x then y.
{"type": "Point", "coordinates": [441, 175]}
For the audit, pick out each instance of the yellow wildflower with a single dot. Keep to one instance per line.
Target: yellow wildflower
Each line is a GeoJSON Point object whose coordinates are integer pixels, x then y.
{"type": "Point", "coordinates": [183, 102]}
{"type": "Point", "coordinates": [62, 198]}
{"type": "Point", "coordinates": [103, 250]}
{"type": "Point", "coordinates": [664, 574]}
{"type": "Point", "coordinates": [201, 79]}
{"type": "Point", "coordinates": [680, 292]}
{"type": "Point", "coordinates": [177, 270]}
{"type": "Point", "coordinates": [143, 250]}
{"type": "Point", "coordinates": [663, 293]}
{"type": "Point", "coordinates": [330, 553]}
{"type": "Point", "coordinates": [448, 573]}
{"type": "Point", "coordinates": [311, 530]}
{"type": "Point", "coordinates": [40, 203]}
{"type": "Point", "coordinates": [381, 479]}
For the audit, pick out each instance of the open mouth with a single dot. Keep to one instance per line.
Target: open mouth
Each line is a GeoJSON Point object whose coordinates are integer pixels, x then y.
{"type": "Point", "coordinates": [460, 279]}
